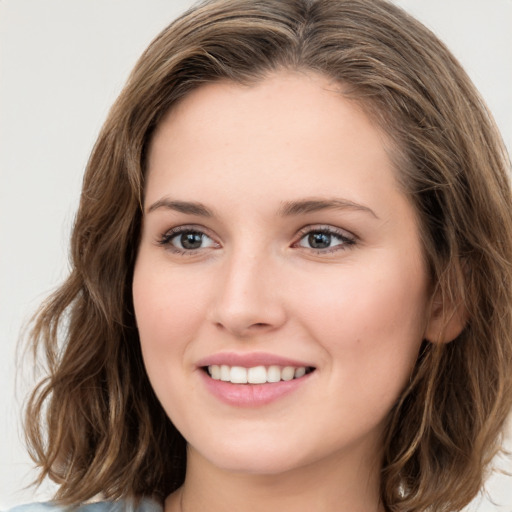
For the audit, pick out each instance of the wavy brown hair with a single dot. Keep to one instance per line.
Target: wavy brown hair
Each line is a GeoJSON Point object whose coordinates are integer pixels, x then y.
{"type": "Point", "coordinates": [94, 424]}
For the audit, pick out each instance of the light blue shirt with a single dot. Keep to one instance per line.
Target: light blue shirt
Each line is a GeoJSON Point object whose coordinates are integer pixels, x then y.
{"type": "Point", "coordinates": [146, 505]}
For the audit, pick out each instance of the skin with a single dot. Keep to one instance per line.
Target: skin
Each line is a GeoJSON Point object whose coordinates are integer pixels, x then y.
{"type": "Point", "coordinates": [355, 310]}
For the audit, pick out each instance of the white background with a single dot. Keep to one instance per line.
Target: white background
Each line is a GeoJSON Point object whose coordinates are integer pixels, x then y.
{"type": "Point", "coordinates": [62, 63]}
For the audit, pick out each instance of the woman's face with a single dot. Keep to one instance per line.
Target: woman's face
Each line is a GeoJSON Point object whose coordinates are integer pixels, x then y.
{"type": "Point", "coordinates": [277, 245]}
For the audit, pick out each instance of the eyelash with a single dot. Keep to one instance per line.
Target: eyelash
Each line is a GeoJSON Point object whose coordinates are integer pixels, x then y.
{"type": "Point", "coordinates": [346, 240]}
{"type": "Point", "coordinates": [167, 238]}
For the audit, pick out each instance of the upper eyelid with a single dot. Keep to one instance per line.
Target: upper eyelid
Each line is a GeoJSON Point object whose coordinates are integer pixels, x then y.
{"type": "Point", "coordinates": [305, 229]}
{"type": "Point", "coordinates": [188, 227]}
{"type": "Point", "coordinates": [327, 228]}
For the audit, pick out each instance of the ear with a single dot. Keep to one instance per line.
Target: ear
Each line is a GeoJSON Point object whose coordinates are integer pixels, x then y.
{"type": "Point", "coordinates": [448, 317]}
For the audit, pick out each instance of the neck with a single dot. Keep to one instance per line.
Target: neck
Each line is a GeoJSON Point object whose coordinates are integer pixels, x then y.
{"type": "Point", "coordinates": [326, 486]}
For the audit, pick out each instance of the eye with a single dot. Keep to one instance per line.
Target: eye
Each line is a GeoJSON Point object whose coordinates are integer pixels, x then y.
{"type": "Point", "coordinates": [183, 239]}
{"type": "Point", "coordinates": [325, 239]}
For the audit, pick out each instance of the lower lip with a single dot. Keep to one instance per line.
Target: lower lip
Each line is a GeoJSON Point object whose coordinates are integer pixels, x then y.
{"type": "Point", "coordinates": [251, 395]}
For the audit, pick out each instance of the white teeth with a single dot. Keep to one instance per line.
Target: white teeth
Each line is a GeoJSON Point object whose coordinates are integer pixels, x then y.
{"type": "Point", "coordinates": [256, 374]}
{"type": "Point", "coordinates": [273, 374]}
{"type": "Point", "coordinates": [300, 372]}
{"type": "Point", "coordinates": [224, 373]}
{"type": "Point", "coordinates": [238, 375]}
{"type": "Point", "coordinates": [287, 373]}
{"type": "Point", "coordinates": [215, 371]}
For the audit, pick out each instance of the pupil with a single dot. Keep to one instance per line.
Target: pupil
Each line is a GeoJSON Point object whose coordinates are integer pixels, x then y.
{"type": "Point", "coordinates": [319, 240]}
{"type": "Point", "coordinates": [191, 240]}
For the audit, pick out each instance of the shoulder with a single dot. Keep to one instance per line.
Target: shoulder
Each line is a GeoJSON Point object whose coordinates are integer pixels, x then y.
{"type": "Point", "coordinates": [145, 505]}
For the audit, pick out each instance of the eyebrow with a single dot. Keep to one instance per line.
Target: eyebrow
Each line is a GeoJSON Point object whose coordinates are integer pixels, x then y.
{"type": "Point", "coordinates": [289, 208]}
{"type": "Point", "coordinates": [188, 207]}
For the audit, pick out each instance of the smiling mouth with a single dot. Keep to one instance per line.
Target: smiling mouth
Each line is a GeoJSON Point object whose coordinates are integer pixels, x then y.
{"type": "Point", "coordinates": [256, 374]}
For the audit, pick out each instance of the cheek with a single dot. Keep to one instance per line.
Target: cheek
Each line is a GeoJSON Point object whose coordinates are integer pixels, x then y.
{"type": "Point", "coordinates": [168, 315]}
{"type": "Point", "coordinates": [366, 302]}
{"type": "Point", "coordinates": [165, 308]}
{"type": "Point", "coordinates": [370, 320]}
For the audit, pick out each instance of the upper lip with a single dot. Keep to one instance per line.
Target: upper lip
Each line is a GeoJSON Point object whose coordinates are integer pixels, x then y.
{"type": "Point", "coordinates": [250, 360]}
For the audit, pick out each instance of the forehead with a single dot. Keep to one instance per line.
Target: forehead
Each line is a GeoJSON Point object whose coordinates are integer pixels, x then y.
{"type": "Point", "coordinates": [288, 120]}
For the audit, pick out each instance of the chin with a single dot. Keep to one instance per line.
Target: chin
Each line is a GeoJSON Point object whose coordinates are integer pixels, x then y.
{"type": "Point", "coordinates": [258, 459]}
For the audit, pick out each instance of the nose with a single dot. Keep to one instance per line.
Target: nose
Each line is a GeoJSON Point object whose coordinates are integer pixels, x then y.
{"type": "Point", "coordinates": [249, 299]}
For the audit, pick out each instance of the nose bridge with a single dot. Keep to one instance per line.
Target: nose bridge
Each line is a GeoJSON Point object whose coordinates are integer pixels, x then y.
{"type": "Point", "coordinates": [248, 299]}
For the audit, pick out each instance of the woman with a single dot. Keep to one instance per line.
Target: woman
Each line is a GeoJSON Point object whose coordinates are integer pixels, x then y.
{"type": "Point", "coordinates": [291, 274]}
